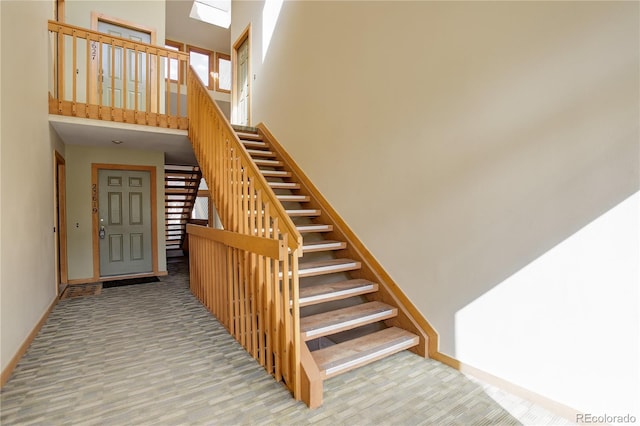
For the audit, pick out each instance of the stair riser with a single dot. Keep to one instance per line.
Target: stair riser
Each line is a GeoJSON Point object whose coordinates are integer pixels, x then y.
{"type": "Point", "coordinates": [337, 295]}
{"type": "Point", "coordinates": [254, 145]}
{"type": "Point", "coordinates": [275, 173]}
{"type": "Point", "coordinates": [270, 163]}
{"type": "Point", "coordinates": [302, 273]}
{"type": "Point", "coordinates": [295, 213]}
{"type": "Point", "coordinates": [303, 213]}
{"type": "Point", "coordinates": [348, 325]}
{"type": "Point", "coordinates": [284, 185]}
{"type": "Point", "coordinates": [309, 229]}
{"type": "Point", "coordinates": [293, 198]}
{"type": "Point", "coordinates": [323, 247]}
{"type": "Point", "coordinates": [369, 358]}
{"type": "Point", "coordinates": [261, 153]}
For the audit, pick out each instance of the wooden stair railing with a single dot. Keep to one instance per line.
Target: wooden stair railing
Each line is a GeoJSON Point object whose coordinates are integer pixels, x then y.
{"type": "Point", "coordinates": [352, 313]}
{"type": "Point", "coordinates": [81, 58]}
{"type": "Point", "coordinates": [255, 298]}
{"type": "Point", "coordinates": [180, 192]}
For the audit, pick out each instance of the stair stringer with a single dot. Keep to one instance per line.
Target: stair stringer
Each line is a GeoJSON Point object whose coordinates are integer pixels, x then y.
{"type": "Point", "coordinates": [188, 172]}
{"type": "Point", "coordinates": [409, 317]}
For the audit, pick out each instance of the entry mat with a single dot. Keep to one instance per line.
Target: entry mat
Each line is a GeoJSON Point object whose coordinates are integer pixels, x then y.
{"type": "Point", "coordinates": [74, 291]}
{"type": "Point", "coordinates": [129, 281]}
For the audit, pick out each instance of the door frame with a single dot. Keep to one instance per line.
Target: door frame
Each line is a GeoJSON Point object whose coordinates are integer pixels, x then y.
{"type": "Point", "coordinates": [244, 36]}
{"type": "Point", "coordinates": [95, 167]}
{"type": "Point", "coordinates": [94, 89]}
{"type": "Point", "coordinates": [60, 219]}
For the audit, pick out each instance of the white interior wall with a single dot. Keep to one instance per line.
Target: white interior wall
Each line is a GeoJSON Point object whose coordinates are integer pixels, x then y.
{"type": "Point", "coordinates": [463, 142]}
{"type": "Point", "coordinates": [27, 275]}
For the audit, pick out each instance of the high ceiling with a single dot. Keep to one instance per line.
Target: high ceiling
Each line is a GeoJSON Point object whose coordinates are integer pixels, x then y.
{"type": "Point", "coordinates": [180, 27]}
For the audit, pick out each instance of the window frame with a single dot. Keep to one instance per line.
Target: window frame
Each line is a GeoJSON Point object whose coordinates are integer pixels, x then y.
{"type": "Point", "coordinates": [181, 72]}
{"type": "Point", "coordinates": [220, 55]}
{"type": "Point", "coordinates": [211, 55]}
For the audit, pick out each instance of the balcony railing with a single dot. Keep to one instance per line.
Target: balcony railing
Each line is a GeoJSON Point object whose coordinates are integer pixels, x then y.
{"type": "Point", "coordinates": [104, 77]}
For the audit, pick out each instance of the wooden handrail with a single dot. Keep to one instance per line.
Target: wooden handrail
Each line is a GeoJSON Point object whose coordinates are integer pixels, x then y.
{"type": "Point", "coordinates": [140, 69]}
{"type": "Point", "coordinates": [258, 245]}
{"type": "Point", "coordinates": [92, 35]}
{"type": "Point", "coordinates": [198, 92]}
{"type": "Point", "coordinates": [252, 292]}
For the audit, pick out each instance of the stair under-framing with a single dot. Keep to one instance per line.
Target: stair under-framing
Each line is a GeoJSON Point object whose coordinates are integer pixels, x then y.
{"type": "Point", "coordinates": [181, 190]}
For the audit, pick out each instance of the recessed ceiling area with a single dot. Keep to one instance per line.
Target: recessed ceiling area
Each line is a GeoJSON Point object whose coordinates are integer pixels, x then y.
{"type": "Point", "coordinates": [82, 131]}
{"type": "Point", "coordinates": [214, 12]}
{"type": "Point", "coordinates": [180, 27]}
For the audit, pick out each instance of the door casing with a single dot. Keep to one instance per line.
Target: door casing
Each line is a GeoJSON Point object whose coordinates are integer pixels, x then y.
{"type": "Point", "coordinates": [245, 36]}
{"type": "Point", "coordinates": [94, 95]}
{"type": "Point", "coordinates": [95, 216]}
{"type": "Point", "coordinates": [60, 220]}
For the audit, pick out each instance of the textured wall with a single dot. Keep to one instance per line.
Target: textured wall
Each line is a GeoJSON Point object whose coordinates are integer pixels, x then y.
{"type": "Point", "coordinates": [462, 142]}
{"type": "Point", "coordinates": [27, 278]}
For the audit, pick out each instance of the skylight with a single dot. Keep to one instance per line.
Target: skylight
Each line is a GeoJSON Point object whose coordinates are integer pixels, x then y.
{"type": "Point", "coordinates": [214, 12]}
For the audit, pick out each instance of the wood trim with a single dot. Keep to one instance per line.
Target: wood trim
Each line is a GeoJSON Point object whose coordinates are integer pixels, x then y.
{"type": "Point", "coordinates": [181, 70]}
{"type": "Point", "coordinates": [94, 214]}
{"type": "Point", "coordinates": [61, 217]}
{"type": "Point", "coordinates": [245, 35]}
{"type": "Point", "coordinates": [118, 115]}
{"type": "Point", "coordinates": [409, 316]}
{"type": "Point", "coordinates": [60, 10]}
{"type": "Point", "coordinates": [311, 378]}
{"type": "Point", "coordinates": [95, 17]}
{"type": "Point", "coordinates": [211, 54]}
{"type": "Point", "coordinates": [127, 276]}
{"type": "Point", "coordinates": [219, 56]}
{"type": "Point", "coordinates": [259, 245]}
{"type": "Point", "coordinates": [173, 43]}
{"type": "Point", "coordinates": [81, 281]}
{"type": "Point", "coordinates": [547, 403]}
{"type": "Point", "coordinates": [152, 69]}
{"type": "Point", "coordinates": [8, 370]}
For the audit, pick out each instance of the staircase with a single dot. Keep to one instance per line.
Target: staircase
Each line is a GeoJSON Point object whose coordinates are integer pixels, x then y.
{"type": "Point", "coordinates": [180, 191]}
{"type": "Point", "coordinates": [345, 320]}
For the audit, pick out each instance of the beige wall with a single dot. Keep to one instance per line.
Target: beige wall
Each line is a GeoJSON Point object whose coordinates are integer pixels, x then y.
{"type": "Point", "coordinates": [149, 13]}
{"type": "Point", "coordinates": [463, 142]}
{"type": "Point", "coordinates": [79, 221]}
{"type": "Point", "coordinates": [27, 279]}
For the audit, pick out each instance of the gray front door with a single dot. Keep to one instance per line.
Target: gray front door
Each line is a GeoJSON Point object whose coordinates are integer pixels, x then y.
{"type": "Point", "coordinates": [124, 224]}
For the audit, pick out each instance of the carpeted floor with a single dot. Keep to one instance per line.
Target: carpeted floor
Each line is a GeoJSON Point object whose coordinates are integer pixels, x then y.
{"type": "Point", "coordinates": [152, 355]}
